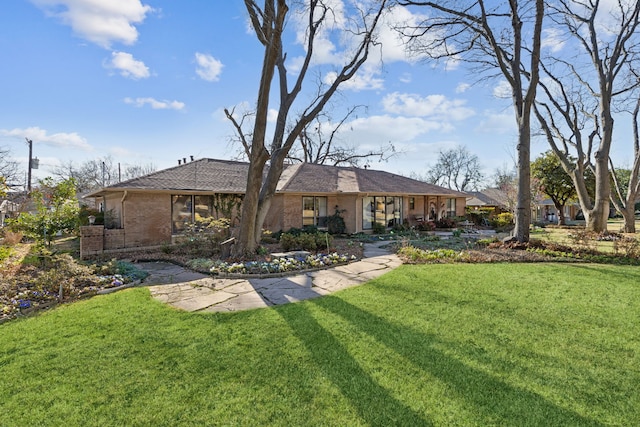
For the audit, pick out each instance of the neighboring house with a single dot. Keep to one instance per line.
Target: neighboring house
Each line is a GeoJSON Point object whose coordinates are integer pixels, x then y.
{"type": "Point", "coordinates": [152, 209]}
{"type": "Point", "coordinates": [545, 211]}
{"type": "Point", "coordinates": [8, 209]}
{"type": "Point", "coordinates": [491, 198]}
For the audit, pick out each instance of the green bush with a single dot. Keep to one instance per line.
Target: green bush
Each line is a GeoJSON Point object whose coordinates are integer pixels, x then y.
{"type": "Point", "coordinates": [305, 241]}
{"type": "Point", "coordinates": [378, 228]}
{"type": "Point", "coordinates": [504, 219]}
{"type": "Point", "coordinates": [5, 252]}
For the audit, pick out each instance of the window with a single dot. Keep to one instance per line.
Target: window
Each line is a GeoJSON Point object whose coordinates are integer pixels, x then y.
{"type": "Point", "coordinates": [383, 210]}
{"type": "Point", "coordinates": [181, 212]}
{"type": "Point", "coordinates": [193, 208]}
{"type": "Point", "coordinates": [314, 211]}
{"type": "Point", "coordinates": [451, 208]}
{"type": "Point", "coordinates": [412, 203]}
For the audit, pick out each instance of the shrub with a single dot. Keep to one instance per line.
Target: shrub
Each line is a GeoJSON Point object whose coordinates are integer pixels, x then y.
{"type": "Point", "coordinates": [5, 252]}
{"type": "Point", "coordinates": [11, 238]}
{"type": "Point", "coordinates": [426, 226]}
{"type": "Point", "coordinates": [445, 223]}
{"type": "Point", "coordinates": [628, 246]}
{"type": "Point", "coordinates": [378, 228]}
{"type": "Point", "coordinates": [502, 220]}
{"type": "Point", "coordinates": [305, 241]}
{"type": "Point", "coordinates": [335, 222]}
{"type": "Point", "coordinates": [203, 237]}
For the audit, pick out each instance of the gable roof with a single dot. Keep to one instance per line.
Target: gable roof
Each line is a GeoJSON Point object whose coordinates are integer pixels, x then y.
{"type": "Point", "coordinates": [488, 197]}
{"type": "Point", "coordinates": [227, 176]}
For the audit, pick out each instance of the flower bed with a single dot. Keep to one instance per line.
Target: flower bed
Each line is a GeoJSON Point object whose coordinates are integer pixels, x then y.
{"type": "Point", "coordinates": [278, 265]}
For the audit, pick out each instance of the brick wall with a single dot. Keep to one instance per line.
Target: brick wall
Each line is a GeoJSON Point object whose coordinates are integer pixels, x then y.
{"type": "Point", "coordinates": [147, 219]}
{"type": "Point", "coordinates": [91, 240]}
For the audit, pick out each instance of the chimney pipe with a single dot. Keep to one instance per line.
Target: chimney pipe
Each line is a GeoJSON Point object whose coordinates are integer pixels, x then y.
{"type": "Point", "coordinates": [179, 161]}
{"type": "Point", "coordinates": [192, 158]}
{"type": "Point", "coordinates": [184, 160]}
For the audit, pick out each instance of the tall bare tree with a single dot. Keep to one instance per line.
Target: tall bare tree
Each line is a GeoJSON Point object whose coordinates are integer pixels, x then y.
{"type": "Point", "coordinates": [577, 113]}
{"type": "Point", "coordinates": [495, 39]}
{"type": "Point", "coordinates": [458, 169]}
{"type": "Point", "coordinates": [99, 172]}
{"type": "Point", "coordinates": [624, 197]}
{"type": "Point", "coordinates": [268, 23]}
{"type": "Point", "coordinates": [320, 142]}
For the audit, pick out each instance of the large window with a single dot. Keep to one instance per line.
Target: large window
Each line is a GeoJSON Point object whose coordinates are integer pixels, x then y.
{"type": "Point", "coordinates": [384, 210]}
{"type": "Point", "coordinates": [314, 211]}
{"type": "Point", "coordinates": [189, 209]}
{"type": "Point", "coordinates": [451, 208]}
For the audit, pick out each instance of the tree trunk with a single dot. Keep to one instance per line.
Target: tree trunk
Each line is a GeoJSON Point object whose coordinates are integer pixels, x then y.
{"type": "Point", "coordinates": [599, 215]}
{"type": "Point", "coordinates": [523, 204]}
{"type": "Point", "coordinates": [562, 220]}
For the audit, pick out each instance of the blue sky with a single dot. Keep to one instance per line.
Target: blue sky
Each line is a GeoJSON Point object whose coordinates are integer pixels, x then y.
{"type": "Point", "coordinates": [146, 81]}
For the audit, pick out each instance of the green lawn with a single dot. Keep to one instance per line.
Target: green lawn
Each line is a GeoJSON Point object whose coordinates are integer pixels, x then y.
{"type": "Point", "coordinates": [452, 344]}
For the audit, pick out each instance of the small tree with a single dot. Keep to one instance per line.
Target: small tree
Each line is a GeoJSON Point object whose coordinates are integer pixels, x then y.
{"type": "Point", "coordinates": [554, 182]}
{"type": "Point", "coordinates": [56, 209]}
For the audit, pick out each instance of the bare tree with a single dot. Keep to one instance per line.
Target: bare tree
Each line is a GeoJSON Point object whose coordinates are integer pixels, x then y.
{"type": "Point", "coordinates": [99, 172]}
{"type": "Point", "coordinates": [457, 169]}
{"type": "Point", "coordinates": [268, 23]}
{"type": "Point", "coordinates": [320, 142]}
{"type": "Point", "coordinates": [623, 199]}
{"type": "Point", "coordinates": [576, 114]}
{"type": "Point", "coordinates": [9, 171]}
{"type": "Point", "coordinates": [492, 36]}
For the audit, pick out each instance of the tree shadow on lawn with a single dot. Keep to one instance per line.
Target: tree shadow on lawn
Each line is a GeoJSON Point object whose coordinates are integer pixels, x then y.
{"type": "Point", "coordinates": [374, 403]}
{"type": "Point", "coordinates": [492, 399]}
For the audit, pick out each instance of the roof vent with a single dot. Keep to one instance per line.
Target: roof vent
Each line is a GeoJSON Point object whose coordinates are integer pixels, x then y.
{"type": "Point", "coordinates": [179, 161]}
{"type": "Point", "coordinates": [192, 158]}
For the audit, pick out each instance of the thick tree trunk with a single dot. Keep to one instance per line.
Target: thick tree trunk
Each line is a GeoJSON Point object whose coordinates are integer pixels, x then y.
{"type": "Point", "coordinates": [562, 220]}
{"type": "Point", "coordinates": [629, 215]}
{"type": "Point", "coordinates": [523, 204]}
{"type": "Point", "coordinates": [598, 216]}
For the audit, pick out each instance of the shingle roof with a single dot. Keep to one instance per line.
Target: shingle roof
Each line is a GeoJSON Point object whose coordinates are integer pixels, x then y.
{"type": "Point", "coordinates": [488, 197]}
{"type": "Point", "coordinates": [225, 176]}
{"type": "Point", "coordinates": [230, 177]}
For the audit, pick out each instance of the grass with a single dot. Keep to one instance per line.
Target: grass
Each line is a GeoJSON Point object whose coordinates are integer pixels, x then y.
{"type": "Point", "coordinates": [452, 344]}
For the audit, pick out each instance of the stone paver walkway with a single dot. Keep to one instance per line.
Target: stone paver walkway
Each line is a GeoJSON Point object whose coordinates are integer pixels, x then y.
{"type": "Point", "coordinates": [191, 291]}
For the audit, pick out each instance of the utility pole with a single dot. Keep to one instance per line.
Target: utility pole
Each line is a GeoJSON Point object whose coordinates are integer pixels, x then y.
{"type": "Point", "coordinates": [30, 143]}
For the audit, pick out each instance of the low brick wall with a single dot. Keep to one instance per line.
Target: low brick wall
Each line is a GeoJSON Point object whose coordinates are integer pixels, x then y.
{"type": "Point", "coordinates": [95, 239]}
{"type": "Point", "coordinates": [113, 239]}
{"type": "Point", "coordinates": [91, 240]}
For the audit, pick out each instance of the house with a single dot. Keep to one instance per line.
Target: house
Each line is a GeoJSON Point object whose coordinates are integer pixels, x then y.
{"type": "Point", "coordinates": [545, 211]}
{"type": "Point", "coordinates": [492, 199]}
{"type": "Point", "coordinates": [8, 209]}
{"type": "Point", "coordinates": [152, 209]}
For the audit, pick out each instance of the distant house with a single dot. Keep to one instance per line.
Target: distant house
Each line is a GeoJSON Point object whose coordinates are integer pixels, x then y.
{"type": "Point", "coordinates": [492, 199]}
{"type": "Point", "coordinates": [545, 211]}
{"type": "Point", "coordinates": [8, 209]}
{"type": "Point", "coordinates": [152, 209]}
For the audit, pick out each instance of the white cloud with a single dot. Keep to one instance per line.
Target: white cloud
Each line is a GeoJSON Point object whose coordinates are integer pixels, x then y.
{"type": "Point", "coordinates": [502, 90]}
{"type": "Point", "coordinates": [40, 136]}
{"type": "Point", "coordinates": [552, 38]}
{"type": "Point", "coordinates": [497, 123]}
{"type": "Point", "coordinates": [155, 104]}
{"type": "Point", "coordinates": [365, 79]}
{"type": "Point", "coordinates": [128, 66]}
{"type": "Point", "coordinates": [462, 87]}
{"type": "Point", "coordinates": [209, 68]}
{"type": "Point", "coordinates": [384, 128]}
{"type": "Point", "coordinates": [433, 106]}
{"type": "Point", "coordinates": [272, 115]}
{"type": "Point", "coordinates": [102, 22]}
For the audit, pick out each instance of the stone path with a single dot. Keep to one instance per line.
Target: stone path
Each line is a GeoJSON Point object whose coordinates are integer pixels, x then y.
{"type": "Point", "coordinates": [192, 291]}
